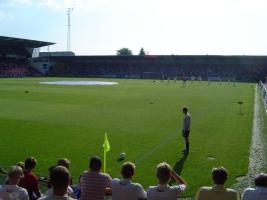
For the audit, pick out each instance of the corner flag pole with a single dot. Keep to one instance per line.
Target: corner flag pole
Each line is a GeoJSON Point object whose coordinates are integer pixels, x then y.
{"type": "Point", "coordinates": [106, 147]}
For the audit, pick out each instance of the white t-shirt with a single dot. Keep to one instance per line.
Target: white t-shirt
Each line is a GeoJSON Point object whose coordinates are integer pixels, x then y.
{"type": "Point", "coordinates": [165, 192]}
{"type": "Point", "coordinates": [186, 122]}
{"type": "Point", "coordinates": [258, 193]}
{"type": "Point", "coordinates": [13, 192]}
{"type": "Point", "coordinates": [55, 197]}
{"type": "Point", "coordinates": [50, 192]}
{"type": "Point", "coordinates": [126, 190]}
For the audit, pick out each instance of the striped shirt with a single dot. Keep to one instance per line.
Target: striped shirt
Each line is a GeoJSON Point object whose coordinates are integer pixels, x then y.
{"type": "Point", "coordinates": [93, 185]}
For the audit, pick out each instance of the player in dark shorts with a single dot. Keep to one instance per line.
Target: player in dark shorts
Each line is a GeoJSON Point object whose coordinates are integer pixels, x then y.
{"type": "Point", "coordinates": [186, 129]}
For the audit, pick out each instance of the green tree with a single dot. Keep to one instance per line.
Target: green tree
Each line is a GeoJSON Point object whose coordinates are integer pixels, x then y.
{"type": "Point", "coordinates": [142, 52]}
{"type": "Point", "coordinates": [124, 52]}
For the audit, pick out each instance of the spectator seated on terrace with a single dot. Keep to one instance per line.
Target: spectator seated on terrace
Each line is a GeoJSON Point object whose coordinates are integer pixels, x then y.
{"type": "Point", "coordinates": [61, 162]}
{"type": "Point", "coordinates": [258, 193]}
{"type": "Point", "coordinates": [60, 180]}
{"type": "Point", "coordinates": [163, 190]}
{"type": "Point", "coordinates": [29, 180]}
{"type": "Point", "coordinates": [65, 163]}
{"type": "Point", "coordinates": [11, 190]}
{"type": "Point", "coordinates": [218, 191]}
{"type": "Point", "coordinates": [124, 188]}
{"type": "Point", "coordinates": [94, 184]}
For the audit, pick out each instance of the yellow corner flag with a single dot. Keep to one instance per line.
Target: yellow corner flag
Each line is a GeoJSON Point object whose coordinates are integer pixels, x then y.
{"type": "Point", "coordinates": [106, 149]}
{"type": "Point", "coordinates": [106, 144]}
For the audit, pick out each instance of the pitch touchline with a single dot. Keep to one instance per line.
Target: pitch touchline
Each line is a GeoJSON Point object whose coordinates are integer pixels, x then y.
{"type": "Point", "coordinates": [158, 146]}
{"type": "Point", "coordinates": [256, 149]}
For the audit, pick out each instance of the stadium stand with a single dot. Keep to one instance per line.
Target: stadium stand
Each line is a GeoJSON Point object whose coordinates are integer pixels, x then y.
{"type": "Point", "coordinates": [239, 68]}
{"type": "Point", "coordinates": [17, 60]}
{"type": "Point", "coordinates": [15, 55]}
{"type": "Point", "coordinates": [11, 67]}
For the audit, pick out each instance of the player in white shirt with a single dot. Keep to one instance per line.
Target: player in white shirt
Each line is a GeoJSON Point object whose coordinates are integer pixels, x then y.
{"type": "Point", "coordinates": [125, 189]}
{"type": "Point", "coordinates": [163, 190]}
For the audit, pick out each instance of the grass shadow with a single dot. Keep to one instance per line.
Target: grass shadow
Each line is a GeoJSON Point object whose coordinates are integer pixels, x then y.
{"type": "Point", "coordinates": [178, 167]}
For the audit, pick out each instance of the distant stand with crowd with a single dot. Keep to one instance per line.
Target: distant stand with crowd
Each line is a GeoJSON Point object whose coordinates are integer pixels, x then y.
{"type": "Point", "coordinates": [16, 67]}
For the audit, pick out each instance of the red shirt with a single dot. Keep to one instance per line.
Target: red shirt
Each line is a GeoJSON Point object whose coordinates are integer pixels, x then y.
{"type": "Point", "coordinates": [29, 182]}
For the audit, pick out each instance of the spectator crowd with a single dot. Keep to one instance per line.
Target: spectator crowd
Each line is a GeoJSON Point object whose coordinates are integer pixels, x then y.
{"type": "Point", "coordinates": [240, 68]}
{"type": "Point", "coordinates": [23, 184]}
{"type": "Point", "coordinates": [13, 67]}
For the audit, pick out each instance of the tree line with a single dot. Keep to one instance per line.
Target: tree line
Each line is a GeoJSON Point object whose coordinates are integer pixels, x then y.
{"type": "Point", "coordinates": [128, 52]}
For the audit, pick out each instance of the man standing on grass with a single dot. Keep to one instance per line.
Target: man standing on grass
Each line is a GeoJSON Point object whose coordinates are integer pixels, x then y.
{"type": "Point", "coordinates": [186, 129]}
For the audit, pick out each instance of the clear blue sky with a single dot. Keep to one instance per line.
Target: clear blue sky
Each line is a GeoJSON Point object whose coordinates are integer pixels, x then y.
{"type": "Point", "coordinates": [100, 27]}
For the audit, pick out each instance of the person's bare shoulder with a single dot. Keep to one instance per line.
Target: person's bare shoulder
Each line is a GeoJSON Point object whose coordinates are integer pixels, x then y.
{"type": "Point", "coordinates": [233, 193]}
{"type": "Point", "coordinates": [204, 190]}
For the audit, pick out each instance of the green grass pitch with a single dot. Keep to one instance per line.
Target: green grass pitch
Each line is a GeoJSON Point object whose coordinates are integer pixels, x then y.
{"type": "Point", "coordinates": [142, 118]}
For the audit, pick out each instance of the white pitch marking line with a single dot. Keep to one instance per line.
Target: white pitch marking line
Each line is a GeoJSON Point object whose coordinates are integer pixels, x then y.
{"type": "Point", "coordinates": [158, 146]}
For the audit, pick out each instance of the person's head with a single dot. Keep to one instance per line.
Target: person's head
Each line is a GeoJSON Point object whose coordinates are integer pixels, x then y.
{"type": "Point", "coordinates": [50, 169]}
{"type": "Point", "coordinates": [127, 170]}
{"type": "Point", "coordinates": [14, 174]}
{"type": "Point", "coordinates": [95, 163]}
{"type": "Point", "coordinates": [185, 110]}
{"type": "Point", "coordinates": [164, 173]}
{"type": "Point", "coordinates": [219, 175]}
{"type": "Point", "coordinates": [64, 162]}
{"type": "Point", "coordinates": [30, 163]}
{"type": "Point", "coordinates": [261, 180]}
{"type": "Point", "coordinates": [60, 179]}
{"type": "Point", "coordinates": [21, 164]}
